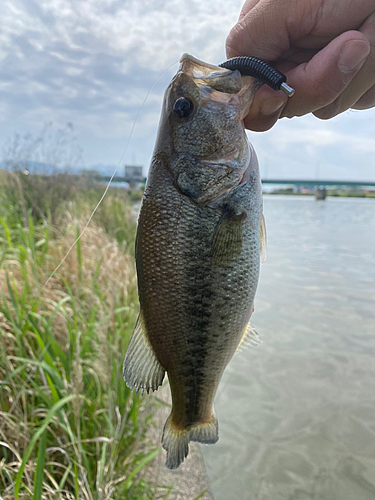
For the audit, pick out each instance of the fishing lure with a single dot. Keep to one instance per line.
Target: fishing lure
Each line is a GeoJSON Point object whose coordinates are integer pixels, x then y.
{"type": "Point", "coordinates": [257, 68]}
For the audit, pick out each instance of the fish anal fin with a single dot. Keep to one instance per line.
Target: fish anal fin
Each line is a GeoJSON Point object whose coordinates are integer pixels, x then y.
{"type": "Point", "coordinates": [250, 338]}
{"type": "Point", "coordinates": [263, 240]}
{"type": "Point", "coordinates": [228, 239]}
{"type": "Point", "coordinates": [175, 440]}
{"type": "Point", "coordinates": [142, 369]}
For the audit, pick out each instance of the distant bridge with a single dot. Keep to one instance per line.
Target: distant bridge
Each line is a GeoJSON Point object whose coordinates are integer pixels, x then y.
{"type": "Point", "coordinates": [318, 182]}
{"type": "Point", "coordinates": [284, 182]}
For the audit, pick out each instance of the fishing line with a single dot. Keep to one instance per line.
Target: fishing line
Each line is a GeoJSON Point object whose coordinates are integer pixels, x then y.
{"type": "Point", "coordinates": [109, 183]}
{"type": "Point", "coordinates": [37, 296]}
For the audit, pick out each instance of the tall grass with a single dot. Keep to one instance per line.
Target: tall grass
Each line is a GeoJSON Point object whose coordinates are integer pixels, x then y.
{"type": "Point", "coordinates": [69, 427]}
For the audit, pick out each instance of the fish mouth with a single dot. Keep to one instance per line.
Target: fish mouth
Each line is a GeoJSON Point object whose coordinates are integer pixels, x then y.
{"type": "Point", "coordinates": [204, 65]}
{"type": "Point", "coordinates": [223, 80]}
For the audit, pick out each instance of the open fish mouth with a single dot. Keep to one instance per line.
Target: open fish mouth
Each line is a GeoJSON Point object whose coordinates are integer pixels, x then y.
{"type": "Point", "coordinates": [206, 67]}
{"type": "Point", "coordinates": [202, 73]}
{"type": "Point", "coordinates": [220, 79]}
{"type": "Point", "coordinates": [200, 69]}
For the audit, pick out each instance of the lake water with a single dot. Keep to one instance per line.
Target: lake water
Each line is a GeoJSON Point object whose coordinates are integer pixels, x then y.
{"type": "Point", "coordinates": [297, 413]}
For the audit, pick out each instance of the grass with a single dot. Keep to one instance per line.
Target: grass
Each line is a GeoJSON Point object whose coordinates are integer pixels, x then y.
{"type": "Point", "coordinates": [69, 427]}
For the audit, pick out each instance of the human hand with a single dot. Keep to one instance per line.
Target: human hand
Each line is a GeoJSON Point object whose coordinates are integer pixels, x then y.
{"type": "Point", "coordinates": [326, 49]}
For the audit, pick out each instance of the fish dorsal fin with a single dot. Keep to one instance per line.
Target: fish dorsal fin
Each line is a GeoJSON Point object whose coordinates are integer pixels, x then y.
{"type": "Point", "coordinates": [249, 338]}
{"type": "Point", "coordinates": [142, 369]}
{"type": "Point", "coordinates": [263, 240]}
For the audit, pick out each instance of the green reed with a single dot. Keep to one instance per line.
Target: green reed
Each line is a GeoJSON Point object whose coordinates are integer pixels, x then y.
{"type": "Point", "coordinates": [69, 427]}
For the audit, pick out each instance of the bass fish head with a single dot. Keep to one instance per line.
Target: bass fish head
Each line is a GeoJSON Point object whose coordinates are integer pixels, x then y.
{"type": "Point", "coordinates": [204, 108]}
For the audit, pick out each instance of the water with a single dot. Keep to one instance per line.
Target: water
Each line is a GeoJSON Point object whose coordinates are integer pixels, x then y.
{"type": "Point", "coordinates": [297, 413]}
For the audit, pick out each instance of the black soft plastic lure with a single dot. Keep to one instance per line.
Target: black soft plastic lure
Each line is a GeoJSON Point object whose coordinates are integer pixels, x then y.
{"type": "Point", "coordinates": [252, 66]}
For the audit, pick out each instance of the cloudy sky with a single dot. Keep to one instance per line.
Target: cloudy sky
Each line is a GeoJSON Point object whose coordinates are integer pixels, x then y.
{"type": "Point", "coordinates": [91, 63]}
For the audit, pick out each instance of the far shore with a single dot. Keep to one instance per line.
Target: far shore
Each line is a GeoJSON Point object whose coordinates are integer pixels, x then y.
{"type": "Point", "coordinates": [337, 193]}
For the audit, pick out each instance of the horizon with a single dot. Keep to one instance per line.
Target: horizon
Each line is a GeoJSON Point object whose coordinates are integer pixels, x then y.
{"type": "Point", "coordinates": [107, 171]}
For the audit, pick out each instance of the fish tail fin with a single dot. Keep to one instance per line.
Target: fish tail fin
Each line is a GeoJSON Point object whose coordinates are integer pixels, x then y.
{"type": "Point", "coordinates": [176, 443]}
{"type": "Point", "coordinates": [176, 440]}
{"type": "Point", "coordinates": [207, 433]}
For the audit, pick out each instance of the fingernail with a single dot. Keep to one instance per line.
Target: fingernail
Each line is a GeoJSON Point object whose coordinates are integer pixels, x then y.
{"type": "Point", "coordinates": [352, 55]}
{"type": "Point", "coordinates": [271, 105]}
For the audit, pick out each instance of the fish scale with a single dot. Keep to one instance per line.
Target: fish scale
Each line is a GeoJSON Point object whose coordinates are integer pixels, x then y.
{"type": "Point", "coordinates": [197, 251]}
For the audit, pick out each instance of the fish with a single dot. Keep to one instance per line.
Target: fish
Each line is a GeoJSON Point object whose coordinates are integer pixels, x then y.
{"type": "Point", "coordinates": [200, 240]}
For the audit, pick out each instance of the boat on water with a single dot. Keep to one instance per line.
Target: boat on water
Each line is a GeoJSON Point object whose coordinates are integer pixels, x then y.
{"type": "Point", "coordinates": [320, 193]}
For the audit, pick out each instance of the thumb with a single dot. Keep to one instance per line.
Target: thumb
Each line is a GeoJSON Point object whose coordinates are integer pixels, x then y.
{"type": "Point", "coordinates": [261, 32]}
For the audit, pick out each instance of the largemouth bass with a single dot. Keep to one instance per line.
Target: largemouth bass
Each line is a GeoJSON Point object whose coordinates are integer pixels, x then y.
{"type": "Point", "coordinates": [198, 249]}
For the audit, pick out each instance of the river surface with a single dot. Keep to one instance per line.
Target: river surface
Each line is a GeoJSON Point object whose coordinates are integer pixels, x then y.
{"type": "Point", "coordinates": [297, 413]}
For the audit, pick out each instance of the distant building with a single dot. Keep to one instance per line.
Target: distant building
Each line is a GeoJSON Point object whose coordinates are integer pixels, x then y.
{"type": "Point", "coordinates": [133, 173]}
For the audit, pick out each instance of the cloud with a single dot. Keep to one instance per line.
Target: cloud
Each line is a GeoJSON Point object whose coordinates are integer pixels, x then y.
{"type": "Point", "coordinates": [338, 148]}
{"type": "Point", "coordinates": [93, 63]}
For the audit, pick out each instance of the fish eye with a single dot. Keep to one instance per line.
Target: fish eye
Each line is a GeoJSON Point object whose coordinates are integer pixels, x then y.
{"type": "Point", "coordinates": [183, 107]}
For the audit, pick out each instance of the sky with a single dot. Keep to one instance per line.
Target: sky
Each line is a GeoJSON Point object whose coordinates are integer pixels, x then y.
{"type": "Point", "coordinates": [92, 63]}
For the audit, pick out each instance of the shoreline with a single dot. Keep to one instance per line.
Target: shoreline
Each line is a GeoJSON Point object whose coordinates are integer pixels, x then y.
{"type": "Point", "coordinates": [328, 195]}
{"type": "Point", "coordinates": [189, 481]}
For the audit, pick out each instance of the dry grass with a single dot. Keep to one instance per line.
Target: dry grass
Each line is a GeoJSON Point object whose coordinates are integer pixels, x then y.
{"type": "Point", "coordinates": [69, 427]}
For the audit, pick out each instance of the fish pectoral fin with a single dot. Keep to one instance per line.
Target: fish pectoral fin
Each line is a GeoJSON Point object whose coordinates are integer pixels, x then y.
{"type": "Point", "coordinates": [249, 338]}
{"type": "Point", "coordinates": [228, 239]}
{"type": "Point", "coordinates": [142, 369]}
{"type": "Point", "coordinates": [176, 440]}
{"type": "Point", "coordinates": [263, 240]}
